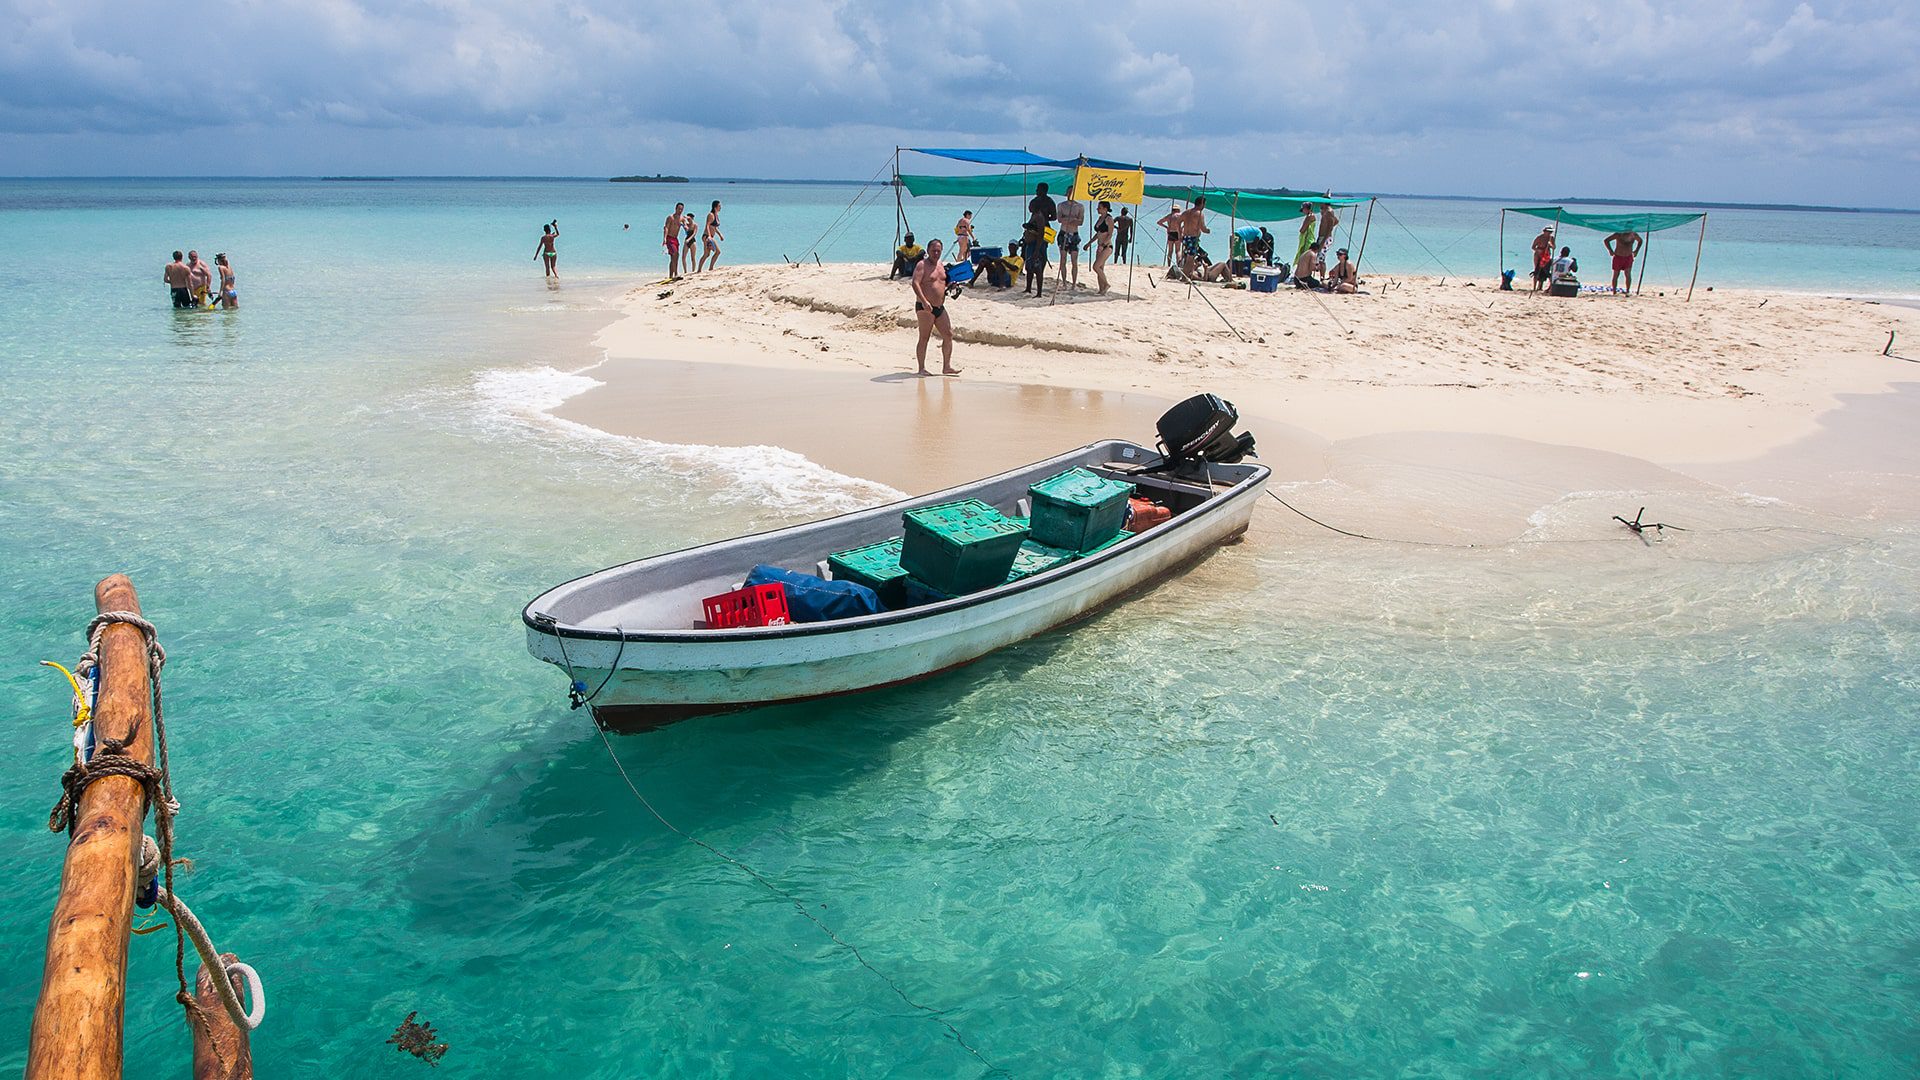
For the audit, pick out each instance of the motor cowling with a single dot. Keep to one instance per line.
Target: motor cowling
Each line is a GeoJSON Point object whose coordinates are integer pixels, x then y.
{"type": "Point", "coordinates": [1201, 429]}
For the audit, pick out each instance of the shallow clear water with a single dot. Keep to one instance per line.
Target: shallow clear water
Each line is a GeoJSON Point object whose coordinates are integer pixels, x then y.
{"type": "Point", "coordinates": [1320, 808]}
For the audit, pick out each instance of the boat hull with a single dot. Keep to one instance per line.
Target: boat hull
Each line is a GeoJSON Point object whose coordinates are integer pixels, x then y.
{"type": "Point", "coordinates": [641, 681]}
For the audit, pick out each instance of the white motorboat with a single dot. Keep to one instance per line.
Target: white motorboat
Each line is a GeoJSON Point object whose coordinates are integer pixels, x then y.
{"type": "Point", "coordinates": [636, 650]}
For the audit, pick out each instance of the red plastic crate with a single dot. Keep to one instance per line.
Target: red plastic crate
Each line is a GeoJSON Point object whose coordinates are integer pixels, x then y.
{"type": "Point", "coordinates": [759, 605]}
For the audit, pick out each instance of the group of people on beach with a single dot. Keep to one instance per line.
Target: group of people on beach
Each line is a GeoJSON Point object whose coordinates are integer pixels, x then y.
{"type": "Point", "coordinates": [1111, 237]}
{"type": "Point", "coordinates": [190, 281]}
{"type": "Point", "coordinates": [1562, 271]}
{"type": "Point", "coordinates": [1187, 257]}
{"type": "Point", "coordinates": [677, 236]}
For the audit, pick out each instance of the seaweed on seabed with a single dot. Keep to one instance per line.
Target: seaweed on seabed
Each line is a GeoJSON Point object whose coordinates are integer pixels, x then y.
{"type": "Point", "coordinates": [417, 1039]}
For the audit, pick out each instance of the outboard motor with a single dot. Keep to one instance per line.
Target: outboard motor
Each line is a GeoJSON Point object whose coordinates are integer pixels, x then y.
{"type": "Point", "coordinates": [1200, 429]}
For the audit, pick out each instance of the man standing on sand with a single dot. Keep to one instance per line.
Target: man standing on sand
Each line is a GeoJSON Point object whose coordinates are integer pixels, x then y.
{"type": "Point", "coordinates": [1329, 221]}
{"type": "Point", "coordinates": [670, 236]}
{"type": "Point", "coordinates": [1122, 235]}
{"type": "Point", "coordinates": [1192, 224]}
{"type": "Point", "coordinates": [176, 275]}
{"type": "Point", "coordinates": [1171, 223]}
{"type": "Point", "coordinates": [1033, 239]}
{"type": "Point", "coordinates": [710, 239]}
{"type": "Point", "coordinates": [930, 309]}
{"type": "Point", "coordinates": [1073, 214]}
{"type": "Point", "coordinates": [1542, 255]}
{"type": "Point", "coordinates": [1624, 246]}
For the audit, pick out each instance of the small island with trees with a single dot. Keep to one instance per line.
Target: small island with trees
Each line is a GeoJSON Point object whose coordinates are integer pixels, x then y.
{"type": "Point", "coordinates": [656, 178]}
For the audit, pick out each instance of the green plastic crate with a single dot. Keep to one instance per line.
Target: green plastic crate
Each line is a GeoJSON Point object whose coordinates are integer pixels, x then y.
{"type": "Point", "coordinates": [1078, 510]}
{"type": "Point", "coordinates": [960, 547]}
{"type": "Point", "coordinates": [1117, 537]}
{"type": "Point", "coordinates": [877, 566]}
{"type": "Point", "coordinates": [1035, 558]}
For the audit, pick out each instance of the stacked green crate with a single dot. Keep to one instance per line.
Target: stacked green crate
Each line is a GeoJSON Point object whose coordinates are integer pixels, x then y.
{"type": "Point", "coordinates": [960, 547]}
{"type": "Point", "coordinates": [1116, 538]}
{"type": "Point", "coordinates": [877, 566]}
{"type": "Point", "coordinates": [1078, 510]}
{"type": "Point", "coordinates": [1036, 559]}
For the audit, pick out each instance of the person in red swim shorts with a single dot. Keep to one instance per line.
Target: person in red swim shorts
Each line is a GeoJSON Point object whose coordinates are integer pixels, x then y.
{"type": "Point", "coordinates": [1624, 246]}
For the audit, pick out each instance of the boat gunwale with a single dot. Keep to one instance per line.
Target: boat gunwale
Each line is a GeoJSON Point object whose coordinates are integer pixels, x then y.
{"type": "Point", "coordinates": [545, 624]}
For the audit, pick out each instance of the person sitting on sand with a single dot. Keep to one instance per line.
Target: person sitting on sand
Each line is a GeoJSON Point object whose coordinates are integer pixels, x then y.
{"type": "Point", "coordinates": [905, 258]}
{"type": "Point", "coordinates": [670, 236]}
{"type": "Point", "coordinates": [1542, 256]}
{"type": "Point", "coordinates": [1623, 246]}
{"type": "Point", "coordinates": [1308, 230]}
{"type": "Point", "coordinates": [1305, 266]}
{"type": "Point", "coordinates": [1102, 245]}
{"type": "Point", "coordinates": [1565, 268]}
{"type": "Point", "coordinates": [199, 279]}
{"type": "Point", "coordinates": [1073, 214]}
{"type": "Point", "coordinates": [1344, 277]}
{"type": "Point", "coordinates": [710, 251]}
{"type": "Point", "coordinates": [930, 309]}
{"type": "Point", "coordinates": [544, 250]}
{"type": "Point", "coordinates": [963, 237]}
{"type": "Point", "coordinates": [229, 292]}
{"type": "Point", "coordinates": [176, 277]}
{"type": "Point", "coordinates": [1122, 235]}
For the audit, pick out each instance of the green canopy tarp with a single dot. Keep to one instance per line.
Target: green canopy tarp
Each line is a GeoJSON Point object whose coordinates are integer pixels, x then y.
{"type": "Point", "coordinates": [1247, 205]}
{"type": "Point", "coordinates": [1014, 184]}
{"type": "Point", "coordinates": [1608, 223]}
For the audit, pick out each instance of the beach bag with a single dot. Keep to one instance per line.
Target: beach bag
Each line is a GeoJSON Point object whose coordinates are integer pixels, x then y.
{"type": "Point", "coordinates": [812, 599]}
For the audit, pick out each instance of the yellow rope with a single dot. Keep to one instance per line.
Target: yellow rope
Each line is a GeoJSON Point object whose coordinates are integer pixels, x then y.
{"type": "Point", "coordinates": [82, 712]}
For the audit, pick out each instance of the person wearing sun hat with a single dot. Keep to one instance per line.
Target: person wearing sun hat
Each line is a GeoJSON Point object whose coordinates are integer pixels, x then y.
{"type": "Point", "coordinates": [1542, 257]}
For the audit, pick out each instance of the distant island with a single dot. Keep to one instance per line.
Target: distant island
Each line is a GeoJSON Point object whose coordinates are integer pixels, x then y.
{"type": "Point", "coordinates": [656, 178]}
{"type": "Point", "coordinates": [359, 179]}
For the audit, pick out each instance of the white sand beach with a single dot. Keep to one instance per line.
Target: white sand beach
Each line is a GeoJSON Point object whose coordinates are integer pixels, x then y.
{"type": "Point", "coordinates": [1386, 392]}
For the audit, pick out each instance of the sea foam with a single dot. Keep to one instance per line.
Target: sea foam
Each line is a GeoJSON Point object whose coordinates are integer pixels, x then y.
{"type": "Point", "coordinates": [520, 401]}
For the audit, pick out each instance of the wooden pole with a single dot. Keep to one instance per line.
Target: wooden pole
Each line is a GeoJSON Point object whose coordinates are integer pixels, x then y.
{"type": "Point", "coordinates": [1697, 249]}
{"type": "Point", "coordinates": [77, 1023]}
{"type": "Point", "coordinates": [1645, 259]}
{"type": "Point", "coordinates": [1364, 233]}
{"type": "Point", "coordinates": [1500, 265]}
{"type": "Point", "coordinates": [899, 206]}
{"type": "Point", "coordinates": [221, 1050]}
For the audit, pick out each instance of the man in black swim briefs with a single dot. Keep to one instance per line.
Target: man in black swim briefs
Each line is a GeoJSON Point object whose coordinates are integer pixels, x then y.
{"type": "Point", "coordinates": [176, 275]}
{"type": "Point", "coordinates": [930, 310]}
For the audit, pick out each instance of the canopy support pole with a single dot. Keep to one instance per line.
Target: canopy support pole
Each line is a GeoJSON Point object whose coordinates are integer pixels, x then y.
{"type": "Point", "coordinates": [899, 207]}
{"type": "Point", "coordinates": [1500, 264]}
{"type": "Point", "coordinates": [1698, 248]}
{"type": "Point", "coordinates": [1364, 233]}
{"type": "Point", "coordinates": [1646, 260]}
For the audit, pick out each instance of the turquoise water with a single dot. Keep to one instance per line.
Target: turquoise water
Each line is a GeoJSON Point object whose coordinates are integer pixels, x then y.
{"type": "Point", "coordinates": [1321, 808]}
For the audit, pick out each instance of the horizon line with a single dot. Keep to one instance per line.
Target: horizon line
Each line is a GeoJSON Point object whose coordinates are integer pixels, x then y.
{"type": "Point", "coordinates": [1530, 200]}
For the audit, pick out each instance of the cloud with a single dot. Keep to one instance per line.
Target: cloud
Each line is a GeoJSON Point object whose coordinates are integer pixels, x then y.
{"type": "Point", "coordinates": [1686, 85]}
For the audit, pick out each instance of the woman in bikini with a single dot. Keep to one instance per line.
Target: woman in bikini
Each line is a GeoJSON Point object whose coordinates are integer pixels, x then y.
{"type": "Point", "coordinates": [1102, 244]}
{"type": "Point", "coordinates": [687, 242]}
{"type": "Point", "coordinates": [549, 236]}
{"type": "Point", "coordinates": [229, 294]}
{"type": "Point", "coordinates": [963, 237]}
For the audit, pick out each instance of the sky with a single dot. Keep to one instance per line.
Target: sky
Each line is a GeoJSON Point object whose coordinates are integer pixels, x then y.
{"type": "Point", "coordinates": [1757, 101]}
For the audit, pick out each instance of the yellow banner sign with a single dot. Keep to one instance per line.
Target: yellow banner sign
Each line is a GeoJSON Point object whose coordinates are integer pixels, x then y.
{"type": "Point", "coordinates": [1110, 185]}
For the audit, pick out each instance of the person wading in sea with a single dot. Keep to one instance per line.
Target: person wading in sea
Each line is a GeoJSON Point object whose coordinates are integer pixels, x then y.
{"type": "Point", "coordinates": [176, 276]}
{"type": "Point", "coordinates": [545, 250]}
{"type": "Point", "coordinates": [930, 309]}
